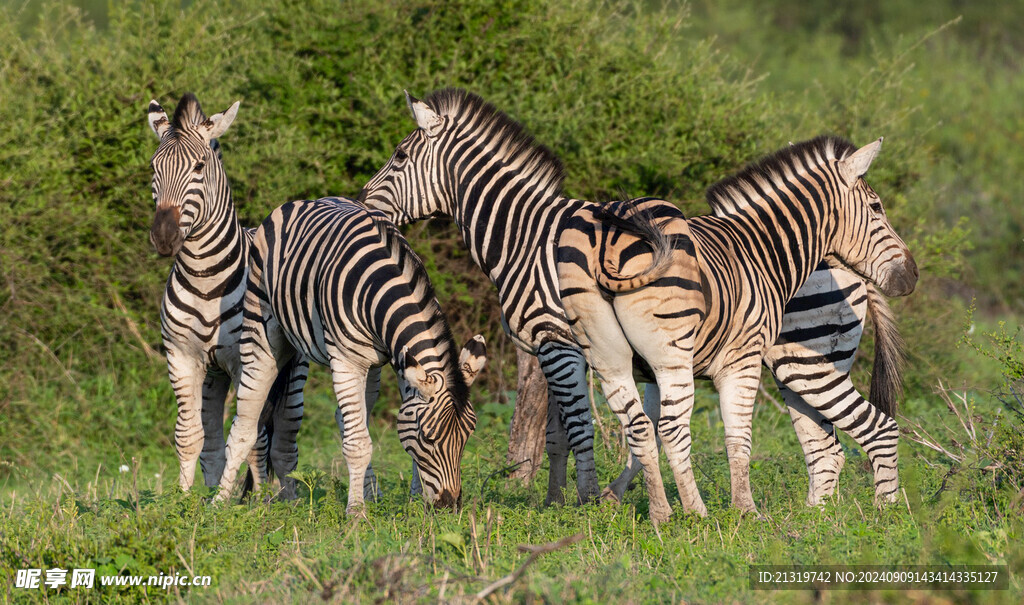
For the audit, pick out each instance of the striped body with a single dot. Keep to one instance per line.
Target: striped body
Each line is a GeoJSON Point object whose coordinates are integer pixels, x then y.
{"type": "Point", "coordinates": [201, 312]}
{"type": "Point", "coordinates": [773, 224]}
{"type": "Point", "coordinates": [471, 162]}
{"type": "Point", "coordinates": [337, 284]}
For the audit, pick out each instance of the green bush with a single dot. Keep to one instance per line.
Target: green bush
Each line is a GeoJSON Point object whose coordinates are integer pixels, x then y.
{"type": "Point", "coordinates": [635, 99]}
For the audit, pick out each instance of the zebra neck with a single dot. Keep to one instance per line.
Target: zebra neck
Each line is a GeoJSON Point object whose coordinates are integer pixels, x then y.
{"type": "Point", "coordinates": [780, 242]}
{"type": "Point", "coordinates": [217, 243]}
{"type": "Point", "coordinates": [503, 220]}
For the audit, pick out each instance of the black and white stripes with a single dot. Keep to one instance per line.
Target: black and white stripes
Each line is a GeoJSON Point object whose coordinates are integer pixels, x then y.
{"type": "Point", "coordinates": [339, 285]}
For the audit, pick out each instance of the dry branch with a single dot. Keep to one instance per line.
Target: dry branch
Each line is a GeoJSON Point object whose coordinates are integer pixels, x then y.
{"type": "Point", "coordinates": [535, 551]}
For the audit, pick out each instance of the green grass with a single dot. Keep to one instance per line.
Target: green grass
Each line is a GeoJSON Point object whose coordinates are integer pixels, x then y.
{"type": "Point", "coordinates": [138, 522]}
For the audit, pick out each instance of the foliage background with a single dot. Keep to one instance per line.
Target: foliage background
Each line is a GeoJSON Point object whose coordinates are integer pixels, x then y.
{"type": "Point", "coordinates": [637, 98]}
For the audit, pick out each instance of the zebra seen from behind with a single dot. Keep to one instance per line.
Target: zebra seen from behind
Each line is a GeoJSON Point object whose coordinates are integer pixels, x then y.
{"type": "Point", "coordinates": [338, 284]}
{"type": "Point", "coordinates": [821, 330]}
{"type": "Point", "coordinates": [468, 161]}
{"type": "Point", "coordinates": [773, 224]}
{"type": "Point", "coordinates": [201, 312]}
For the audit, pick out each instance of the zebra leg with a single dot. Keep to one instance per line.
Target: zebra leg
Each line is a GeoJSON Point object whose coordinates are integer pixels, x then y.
{"type": "Point", "coordinates": [263, 351]}
{"type": "Point", "coordinates": [287, 419]}
{"type": "Point", "coordinates": [557, 447]}
{"type": "Point", "coordinates": [823, 454]}
{"type": "Point", "coordinates": [876, 432]}
{"type": "Point", "coordinates": [187, 377]}
{"type": "Point", "coordinates": [617, 488]}
{"type": "Point", "coordinates": [350, 385]}
{"type": "Point", "coordinates": [215, 392]}
{"type": "Point", "coordinates": [566, 372]}
{"type": "Point", "coordinates": [737, 391]}
{"type": "Point", "coordinates": [624, 400]}
{"type": "Point", "coordinates": [371, 489]}
{"type": "Point", "coordinates": [258, 459]}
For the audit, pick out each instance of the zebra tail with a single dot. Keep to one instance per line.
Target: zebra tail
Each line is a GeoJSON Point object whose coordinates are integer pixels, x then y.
{"type": "Point", "coordinates": [887, 374]}
{"type": "Point", "coordinates": [639, 223]}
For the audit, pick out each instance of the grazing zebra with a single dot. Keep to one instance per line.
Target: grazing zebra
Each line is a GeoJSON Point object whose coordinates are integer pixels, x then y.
{"type": "Point", "coordinates": [811, 361]}
{"type": "Point", "coordinates": [201, 313]}
{"type": "Point", "coordinates": [507, 204]}
{"type": "Point", "coordinates": [339, 285]}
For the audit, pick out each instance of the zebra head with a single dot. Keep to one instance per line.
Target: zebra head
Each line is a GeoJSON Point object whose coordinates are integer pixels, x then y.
{"type": "Point", "coordinates": [865, 241]}
{"type": "Point", "coordinates": [436, 420]}
{"type": "Point", "coordinates": [187, 170]}
{"type": "Point", "coordinates": [415, 183]}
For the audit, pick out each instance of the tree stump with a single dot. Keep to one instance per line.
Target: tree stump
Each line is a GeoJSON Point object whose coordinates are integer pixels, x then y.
{"type": "Point", "coordinates": [528, 430]}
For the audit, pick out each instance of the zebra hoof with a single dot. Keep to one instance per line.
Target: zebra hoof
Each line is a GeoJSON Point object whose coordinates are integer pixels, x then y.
{"type": "Point", "coordinates": [608, 496]}
{"type": "Point", "coordinates": [884, 500]}
{"type": "Point", "coordinates": [659, 515]}
{"type": "Point", "coordinates": [554, 497]}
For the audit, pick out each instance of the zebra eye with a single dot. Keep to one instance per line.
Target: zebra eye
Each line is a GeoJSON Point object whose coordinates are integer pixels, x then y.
{"type": "Point", "coordinates": [876, 207]}
{"type": "Point", "coordinates": [199, 167]}
{"type": "Point", "coordinates": [401, 155]}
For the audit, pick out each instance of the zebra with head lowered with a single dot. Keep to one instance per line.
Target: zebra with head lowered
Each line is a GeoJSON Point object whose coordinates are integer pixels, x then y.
{"type": "Point", "coordinates": [201, 313]}
{"type": "Point", "coordinates": [456, 164]}
{"type": "Point", "coordinates": [338, 284]}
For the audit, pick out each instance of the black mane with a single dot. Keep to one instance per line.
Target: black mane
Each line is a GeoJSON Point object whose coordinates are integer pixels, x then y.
{"type": "Point", "coordinates": [515, 143]}
{"type": "Point", "coordinates": [187, 114]}
{"type": "Point", "coordinates": [405, 256]}
{"type": "Point", "coordinates": [726, 195]}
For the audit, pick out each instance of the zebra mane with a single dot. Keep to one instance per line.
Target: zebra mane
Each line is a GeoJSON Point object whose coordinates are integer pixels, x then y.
{"type": "Point", "coordinates": [734, 193]}
{"type": "Point", "coordinates": [412, 267]}
{"type": "Point", "coordinates": [188, 114]}
{"type": "Point", "coordinates": [514, 143]}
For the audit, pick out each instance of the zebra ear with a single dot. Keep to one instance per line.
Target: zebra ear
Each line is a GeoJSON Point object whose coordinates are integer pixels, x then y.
{"type": "Point", "coordinates": [856, 165]}
{"type": "Point", "coordinates": [426, 118]}
{"type": "Point", "coordinates": [473, 358]}
{"type": "Point", "coordinates": [158, 119]}
{"type": "Point", "coordinates": [218, 123]}
{"type": "Point", "coordinates": [416, 376]}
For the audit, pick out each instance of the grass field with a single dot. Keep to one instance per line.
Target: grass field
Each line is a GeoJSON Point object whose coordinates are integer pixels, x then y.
{"type": "Point", "coordinates": [91, 514]}
{"type": "Point", "coordinates": [645, 97]}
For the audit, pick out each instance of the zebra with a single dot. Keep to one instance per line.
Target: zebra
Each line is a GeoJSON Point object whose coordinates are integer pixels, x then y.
{"type": "Point", "coordinates": [339, 285]}
{"type": "Point", "coordinates": [821, 331]}
{"type": "Point", "coordinates": [773, 223]}
{"type": "Point", "coordinates": [459, 134]}
{"type": "Point", "coordinates": [201, 313]}
{"type": "Point", "coordinates": [519, 257]}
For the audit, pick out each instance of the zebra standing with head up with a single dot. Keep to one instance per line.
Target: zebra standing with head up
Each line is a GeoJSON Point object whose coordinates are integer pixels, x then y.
{"type": "Point", "coordinates": [462, 144]}
{"type": "Point", "coordinates": [338, 284]}
{"type": "Point", "coordinates": [470, 161]}
{"type": "Point", "coordinates": [201, 313]}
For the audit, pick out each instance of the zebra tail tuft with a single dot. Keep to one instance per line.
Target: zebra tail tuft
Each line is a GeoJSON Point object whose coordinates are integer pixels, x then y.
{"type": "Point", "coordinates": [890, 355]}
{"type": "Point", "coordinates": [639, 223]}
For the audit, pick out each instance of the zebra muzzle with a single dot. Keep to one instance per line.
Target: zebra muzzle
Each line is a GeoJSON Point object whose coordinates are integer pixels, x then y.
{"type": "Point", "coordinates": [902, 280]}
{"type": "Point", "coordinates": [165, 235]}
{"type": "Point", "coordinates": [449, 500]}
